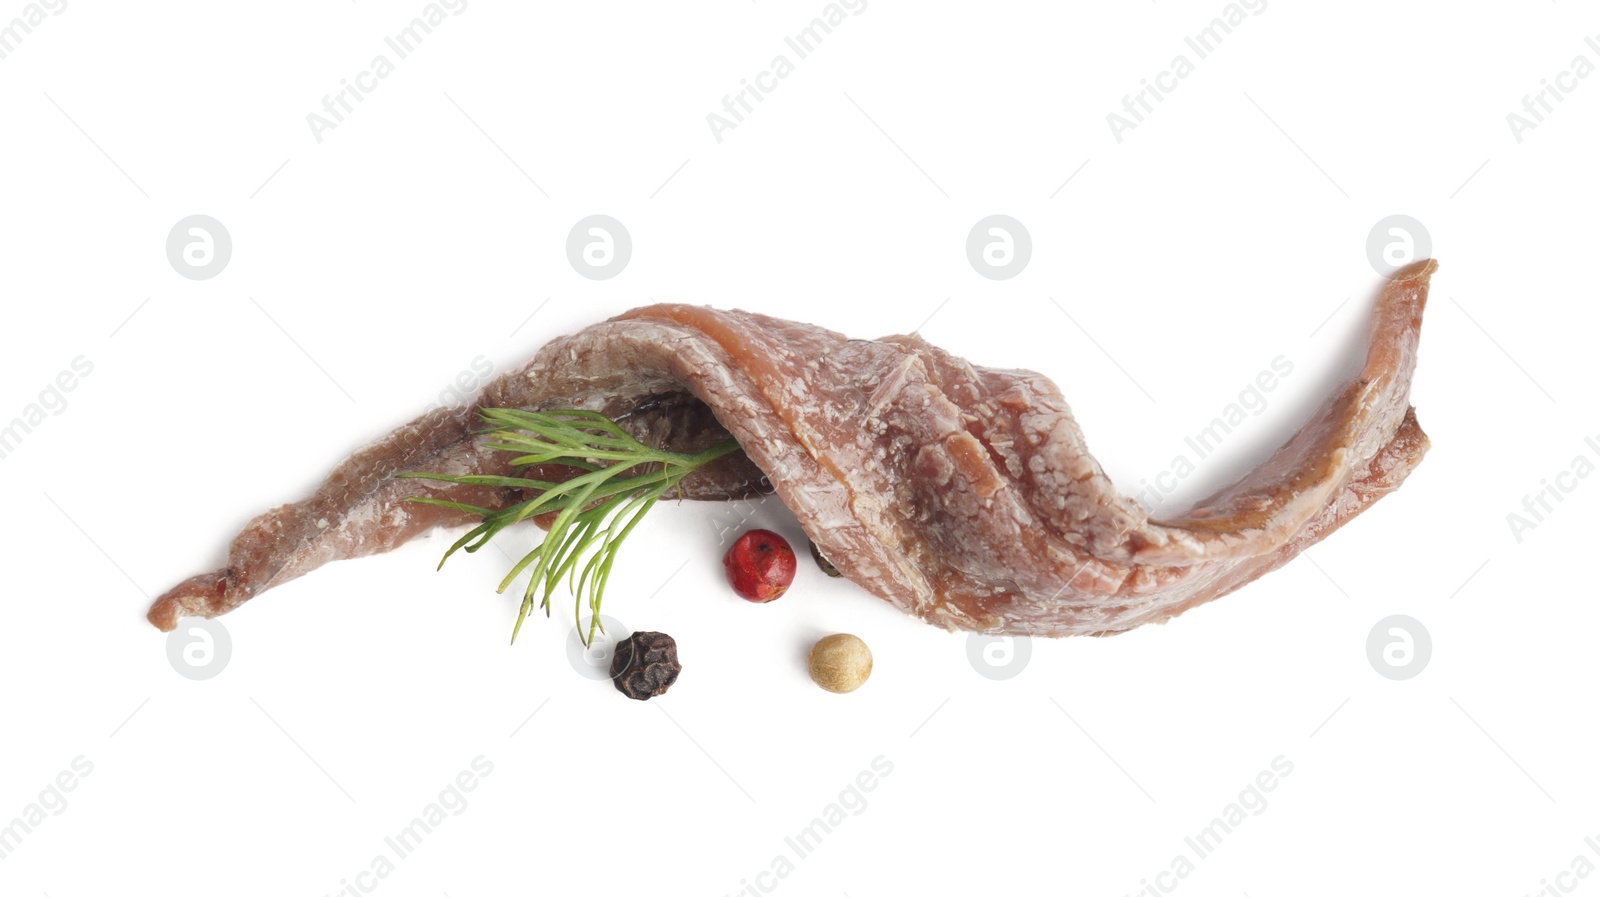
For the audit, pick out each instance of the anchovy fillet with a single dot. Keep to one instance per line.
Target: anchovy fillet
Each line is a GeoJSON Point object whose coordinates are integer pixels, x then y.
{"type": "Point", "coordinates": [966, 496]}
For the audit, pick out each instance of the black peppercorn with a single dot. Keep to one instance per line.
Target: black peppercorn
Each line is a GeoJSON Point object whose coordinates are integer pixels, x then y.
{"type": "Point", "coordinates": [645, 664]}
{"type": "Point", "coordinates": [822, 562]}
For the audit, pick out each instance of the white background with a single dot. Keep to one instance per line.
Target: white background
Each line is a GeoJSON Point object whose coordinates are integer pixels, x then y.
{"type": "Point", "coordinates": [371, 268]}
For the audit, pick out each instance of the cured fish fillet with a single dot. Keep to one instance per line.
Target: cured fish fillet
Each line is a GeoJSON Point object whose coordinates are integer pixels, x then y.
{"type": "Point", "coordinates": [963, 495]}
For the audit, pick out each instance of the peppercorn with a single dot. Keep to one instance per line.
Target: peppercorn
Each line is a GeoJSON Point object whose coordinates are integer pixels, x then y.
{"type": "Point", "coordinates": [827, 567]}
{"type": "Point", "coordinates": [839, 663]}
{"type": "Point", "coordinates": [645, 664]}
{"type": "Point", "coordinates": [760, 566]}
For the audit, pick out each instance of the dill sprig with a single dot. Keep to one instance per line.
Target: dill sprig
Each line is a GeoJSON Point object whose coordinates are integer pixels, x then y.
{"type": "Point", "coordinates": [621, 479]}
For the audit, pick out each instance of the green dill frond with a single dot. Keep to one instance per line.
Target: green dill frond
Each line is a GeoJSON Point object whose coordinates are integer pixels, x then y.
{"type": "Point", "coordinates": [620, 480]}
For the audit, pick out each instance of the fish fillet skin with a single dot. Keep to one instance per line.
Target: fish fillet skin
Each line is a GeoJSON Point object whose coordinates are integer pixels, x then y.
{"type": "Point", "coordinates": [963, 495]}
